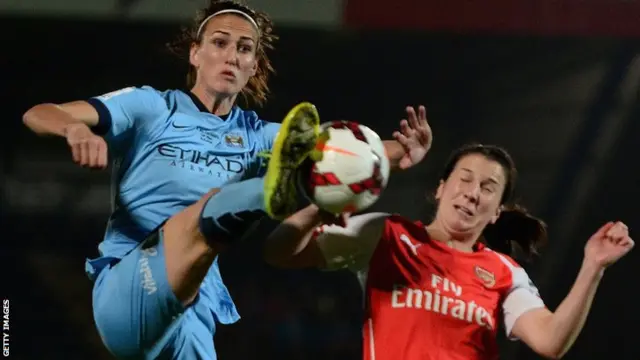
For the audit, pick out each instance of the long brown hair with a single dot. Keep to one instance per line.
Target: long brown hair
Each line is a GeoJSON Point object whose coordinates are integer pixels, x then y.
{"type": "Point", "coordinates": [515, 226]}
{"type": "Point", "coordinates": [257, 88]}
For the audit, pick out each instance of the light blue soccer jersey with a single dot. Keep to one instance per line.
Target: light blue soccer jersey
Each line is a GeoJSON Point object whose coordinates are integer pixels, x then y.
{"type": "Point", "coordinates": [169, 151]}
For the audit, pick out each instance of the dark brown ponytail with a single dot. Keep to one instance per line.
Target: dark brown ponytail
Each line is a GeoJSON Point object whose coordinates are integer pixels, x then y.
{"type": "Point", "coordinates": [516, 231]}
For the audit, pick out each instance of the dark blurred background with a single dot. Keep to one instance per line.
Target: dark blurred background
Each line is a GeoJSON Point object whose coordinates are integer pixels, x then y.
{"type": "Point", "coordinates": [554, 81]}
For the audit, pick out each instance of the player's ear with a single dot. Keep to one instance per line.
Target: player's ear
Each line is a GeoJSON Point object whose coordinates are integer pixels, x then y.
{"type": "Point", "coordinates": [254, 69]}
{"type": "Point", "coordinates": [194, 55]}
{"type": "Point", "coordinates": [495, 217]}
{"type": "Point", "coordinates": [440, 190]}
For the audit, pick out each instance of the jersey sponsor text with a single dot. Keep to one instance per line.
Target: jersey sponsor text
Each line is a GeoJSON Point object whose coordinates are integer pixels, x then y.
{"type": "Point", "coordinates": [202, 162]}
{"type": "Point", "coordinates": [442, 298]}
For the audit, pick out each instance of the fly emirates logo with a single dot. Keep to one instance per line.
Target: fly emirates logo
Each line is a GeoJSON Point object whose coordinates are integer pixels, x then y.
{"type": "Point", "coordinates": [442, 298]}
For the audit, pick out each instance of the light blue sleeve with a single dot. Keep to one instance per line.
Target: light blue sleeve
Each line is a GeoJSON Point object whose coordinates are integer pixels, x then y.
{"type": "Point", "coordinates": [127, 109]}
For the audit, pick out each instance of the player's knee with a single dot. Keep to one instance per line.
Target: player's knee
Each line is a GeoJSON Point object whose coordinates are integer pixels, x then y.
{"type": "Point", "coordinates": [223, 224]}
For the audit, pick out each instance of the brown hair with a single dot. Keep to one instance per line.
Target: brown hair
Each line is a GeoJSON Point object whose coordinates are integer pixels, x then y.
{"type": "Point", "coordinates": [515, 226]}
{"type": "Point", "coordinates": [257, 88]}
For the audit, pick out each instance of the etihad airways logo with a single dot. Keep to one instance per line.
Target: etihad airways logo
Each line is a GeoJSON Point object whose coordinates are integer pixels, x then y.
{"type": "Point", "coordinates": [442, 298]}
{"type": "Point", "coordinates": [202, 162]}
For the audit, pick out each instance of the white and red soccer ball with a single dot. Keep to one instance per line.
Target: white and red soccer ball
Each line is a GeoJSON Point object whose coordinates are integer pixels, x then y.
{"type": "Point", "coordinates": [353, 170]}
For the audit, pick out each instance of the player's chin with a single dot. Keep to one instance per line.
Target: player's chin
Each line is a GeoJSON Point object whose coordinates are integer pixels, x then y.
{"type": "Point", "coordinates": [226, 86]}
{"type": "Point", "coordinates": [461, 226]}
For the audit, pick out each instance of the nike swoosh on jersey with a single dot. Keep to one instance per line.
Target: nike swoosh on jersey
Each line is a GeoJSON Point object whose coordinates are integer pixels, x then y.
{"type": "Point", "coordinates": [173, 123]}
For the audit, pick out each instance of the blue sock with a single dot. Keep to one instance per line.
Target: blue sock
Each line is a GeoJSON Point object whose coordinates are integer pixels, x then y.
{"type": "Point", "coordinates": [228, 215]}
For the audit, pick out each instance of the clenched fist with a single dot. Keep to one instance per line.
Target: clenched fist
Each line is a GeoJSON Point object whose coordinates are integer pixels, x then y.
{"type": "Point", "coordinates": [609, 244]}
{"type": "Point", "coordinates": [88, 149]}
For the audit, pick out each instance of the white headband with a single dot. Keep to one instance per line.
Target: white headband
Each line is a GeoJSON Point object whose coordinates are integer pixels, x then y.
{"type": "Point", "coordinates": [227, 11]}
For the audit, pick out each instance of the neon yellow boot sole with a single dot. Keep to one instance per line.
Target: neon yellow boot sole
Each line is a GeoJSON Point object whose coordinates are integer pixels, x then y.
{"type": "Point", "coordinates": [293, 144]}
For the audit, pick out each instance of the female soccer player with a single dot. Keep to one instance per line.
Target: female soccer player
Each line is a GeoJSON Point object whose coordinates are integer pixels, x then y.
{"type": "Point", "coordinates": [439, 291]}
{"type": "Point", "coordinates": [156, 293]}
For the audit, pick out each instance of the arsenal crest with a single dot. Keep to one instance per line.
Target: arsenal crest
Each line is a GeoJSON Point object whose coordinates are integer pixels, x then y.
{"type": "Point", "coordinates": [487, 277]}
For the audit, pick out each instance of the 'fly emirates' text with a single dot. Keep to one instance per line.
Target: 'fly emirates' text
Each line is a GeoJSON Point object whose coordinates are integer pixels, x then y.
{"type": "Point", "coordinates": [443, 299]}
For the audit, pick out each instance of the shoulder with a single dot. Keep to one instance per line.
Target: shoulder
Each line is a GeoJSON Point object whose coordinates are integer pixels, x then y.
{"type": "Point", "coordinates": [397, 225]}
{"type": "Point", "coordinates": [171, 98]}
{"type": "Point", "coordinates": [251, 119]}
{"type": "Point", "coordinates": [139, 90]}
{"type": "Point", "coordinates": [509, 273]}
{"type": "Point", "coordinates": [401, 221]}
{"type": "Point", "coordinates": [144, 94]}
{"type": "Point", "coordinates": [159, 97]}
{"type": "Point", "coordinates": [155, 92]}
{"type": "Point", "coordinates": [503, 260]}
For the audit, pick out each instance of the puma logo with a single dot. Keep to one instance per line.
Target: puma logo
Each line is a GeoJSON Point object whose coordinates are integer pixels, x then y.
{"type": "Point", "coordinates": [414, 247]}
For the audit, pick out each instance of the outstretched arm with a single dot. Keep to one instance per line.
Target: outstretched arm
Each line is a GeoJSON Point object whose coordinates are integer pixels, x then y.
{"type": "Point", "coordinates": [83, 123]}
{"type": "Point", "coordinates": [53, 119]}
{"type": "Point", "coordinates": [73, 121]}
{"type": "Point", "coordinates": [301, 241]}
{"type": "Point", "coordinates": [290, 245]}
{"type": "Point", "coordinates": [552, 334]}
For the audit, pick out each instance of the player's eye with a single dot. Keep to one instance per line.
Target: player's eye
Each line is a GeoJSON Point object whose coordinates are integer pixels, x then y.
{"type": "Point", "coordinates": [465, 179]}
{"type": "Point", "coordinates": [488, 189]}
{"type": "Point", "coordinates": [245, 48]}
{"type": "Point", "coordinates": [219, 42]}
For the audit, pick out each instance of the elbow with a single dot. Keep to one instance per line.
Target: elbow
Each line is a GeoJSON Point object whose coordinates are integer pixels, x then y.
{"type": "Point", "coordinates": [27, 117]}
{"type": "Point", "coordinates": [552, 353]}
{"type": "Point", "coordinates": [554, 356]}
{"type": "Point", "coordinates": [31, 116]}
{"type": "Point", "coordinates": [559, 354]}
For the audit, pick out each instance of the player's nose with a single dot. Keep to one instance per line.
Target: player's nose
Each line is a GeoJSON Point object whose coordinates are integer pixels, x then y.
{"type": "Point", "coordinates": [472, 194]}
{"type": "Point", "coordinates": [231, 55]}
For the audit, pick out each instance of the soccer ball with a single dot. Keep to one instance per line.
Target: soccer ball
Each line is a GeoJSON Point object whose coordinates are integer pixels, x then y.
{"type": "Point", "coordinates": [351, 168]}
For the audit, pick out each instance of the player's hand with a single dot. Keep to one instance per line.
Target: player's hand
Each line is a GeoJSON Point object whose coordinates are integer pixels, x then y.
{"type": "Point", "coordinates": [88, 149]}
{"type": "Point", "coordinates": [415, 136]}
{"type": "Point", "coordinates": [608, 244]}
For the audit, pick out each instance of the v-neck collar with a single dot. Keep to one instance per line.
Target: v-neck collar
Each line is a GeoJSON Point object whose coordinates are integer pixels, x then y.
{"type": "Point", "coordinates": [202, 108]}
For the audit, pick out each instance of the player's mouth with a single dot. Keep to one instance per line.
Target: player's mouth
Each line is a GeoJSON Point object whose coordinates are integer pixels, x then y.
{"type": "Point", "coordinates": [463, 210]}
{"type": "Point", "coordinates": [228, 74]}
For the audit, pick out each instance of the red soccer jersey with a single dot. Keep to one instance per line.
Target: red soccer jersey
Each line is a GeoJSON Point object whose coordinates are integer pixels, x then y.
{"type": "Point", "coordinates": [425, 300]}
